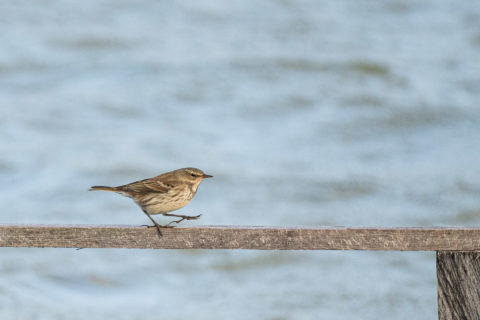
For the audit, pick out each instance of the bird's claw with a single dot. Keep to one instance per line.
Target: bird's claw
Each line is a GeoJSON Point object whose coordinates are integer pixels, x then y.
{"type": "Point", "coordinates": [183, 218]}
{"type": "Point", "coordinates": [159, 226]}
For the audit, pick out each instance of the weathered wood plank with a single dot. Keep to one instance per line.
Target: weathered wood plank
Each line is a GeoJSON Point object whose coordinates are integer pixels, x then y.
{"type": "Point", "coordinates": [228, 237]}
{"type": "Point", "coordinates": [458, 276]}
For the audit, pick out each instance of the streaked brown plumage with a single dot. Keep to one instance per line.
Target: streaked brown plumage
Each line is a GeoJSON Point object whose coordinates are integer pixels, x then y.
{"type": "Point", "coordinates": [164, 193]}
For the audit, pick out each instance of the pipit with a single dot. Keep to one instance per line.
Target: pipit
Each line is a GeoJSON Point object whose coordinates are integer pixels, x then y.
{"type": "Point", "coordinates": [164, 193]}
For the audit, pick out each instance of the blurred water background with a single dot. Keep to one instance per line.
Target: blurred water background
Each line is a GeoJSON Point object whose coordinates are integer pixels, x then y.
{"type": "Point", "coordinates": [308, 113]}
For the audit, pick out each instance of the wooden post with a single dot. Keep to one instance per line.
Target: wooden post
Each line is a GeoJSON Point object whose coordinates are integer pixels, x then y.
{"type": "Point", "coordinates": [246, 237]}
{"type": "Point", "coordinates": [458, 248]}
{"type": "Point", "coordinates": [458, 276]}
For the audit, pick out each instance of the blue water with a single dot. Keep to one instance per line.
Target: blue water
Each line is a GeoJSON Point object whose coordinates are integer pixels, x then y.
{"type": "Point", "coordinates": [308, 113]}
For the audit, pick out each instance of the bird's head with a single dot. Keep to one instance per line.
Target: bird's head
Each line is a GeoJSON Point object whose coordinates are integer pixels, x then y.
{"type": "Point", "coordinates": [193, 176]}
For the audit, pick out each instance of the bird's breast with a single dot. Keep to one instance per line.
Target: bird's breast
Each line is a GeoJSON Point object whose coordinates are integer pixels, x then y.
{"type": "Point", "coordinates": [174, 199]}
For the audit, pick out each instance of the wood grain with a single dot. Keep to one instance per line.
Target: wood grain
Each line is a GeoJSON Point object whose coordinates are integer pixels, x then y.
{"type": "Point", "coordinates": [458, 276]}
{"type": "Point", "coordinates": [234, 237]}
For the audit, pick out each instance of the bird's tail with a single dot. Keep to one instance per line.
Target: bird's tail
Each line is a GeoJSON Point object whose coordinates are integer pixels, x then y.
{"type": "Point", "coordinates": [103, 188]}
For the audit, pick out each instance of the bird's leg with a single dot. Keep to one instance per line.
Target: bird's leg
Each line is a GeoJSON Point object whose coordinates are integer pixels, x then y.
{"type": "Point", "coordinates": [182, 217]}
{"type": "Point", "coordinates": [154, 222]}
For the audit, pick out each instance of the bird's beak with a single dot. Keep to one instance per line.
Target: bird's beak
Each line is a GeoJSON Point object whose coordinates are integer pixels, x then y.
{"type": "Point", "coordinates": [207, 176]}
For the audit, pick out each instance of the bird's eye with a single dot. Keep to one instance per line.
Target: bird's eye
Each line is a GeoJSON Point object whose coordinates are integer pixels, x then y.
{"type": "Point", "coordinates": [193, 175]}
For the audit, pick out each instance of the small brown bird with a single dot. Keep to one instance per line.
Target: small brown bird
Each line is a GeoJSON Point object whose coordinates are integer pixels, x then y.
{"type": "Point", "coordinates": [164, 193]}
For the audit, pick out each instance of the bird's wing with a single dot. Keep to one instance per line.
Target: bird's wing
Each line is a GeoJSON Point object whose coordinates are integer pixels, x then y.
{"type": "Point", "coordinates": [148, 185]}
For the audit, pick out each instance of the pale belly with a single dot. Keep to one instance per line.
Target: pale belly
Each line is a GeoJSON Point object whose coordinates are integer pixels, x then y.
{"type": "Point", "coordinates": [156, 203]}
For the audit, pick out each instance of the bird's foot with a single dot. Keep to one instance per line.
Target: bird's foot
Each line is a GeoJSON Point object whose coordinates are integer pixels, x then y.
{"type": "Point", "coordinates": [182, 217]}
{"type": "Point", "coordinates": [159, 228]}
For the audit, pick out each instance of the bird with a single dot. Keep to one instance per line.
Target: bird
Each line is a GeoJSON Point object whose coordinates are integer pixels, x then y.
{"type": "Point", "coordinates": [162, 194]}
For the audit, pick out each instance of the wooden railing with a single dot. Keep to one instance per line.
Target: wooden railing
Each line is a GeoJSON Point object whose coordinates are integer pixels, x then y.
{"type": "Point", "coordinates": [458, 249]}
